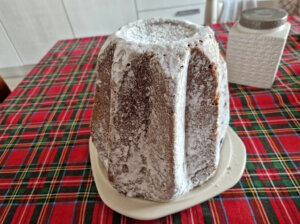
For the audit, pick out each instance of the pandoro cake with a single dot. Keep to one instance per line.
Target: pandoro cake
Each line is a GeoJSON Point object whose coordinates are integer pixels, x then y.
{"type": "Point", "coordinates": [161, 108]}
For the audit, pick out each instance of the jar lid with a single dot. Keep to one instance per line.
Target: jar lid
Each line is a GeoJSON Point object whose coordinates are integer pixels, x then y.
{"type": "Point", "coordinates": [263, 18]}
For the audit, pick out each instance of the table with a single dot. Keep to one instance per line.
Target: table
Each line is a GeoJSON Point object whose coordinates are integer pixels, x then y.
{"type": "Point", "coordinates": [45, 171]}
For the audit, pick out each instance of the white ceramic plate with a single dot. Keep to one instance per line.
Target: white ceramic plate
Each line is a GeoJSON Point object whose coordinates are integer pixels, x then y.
{"type": "Point", "coordinates": [230, 169]}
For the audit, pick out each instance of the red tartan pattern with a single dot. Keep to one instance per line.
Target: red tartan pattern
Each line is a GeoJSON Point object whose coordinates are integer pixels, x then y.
{"type": "Point", "coordinates": [45, 171]}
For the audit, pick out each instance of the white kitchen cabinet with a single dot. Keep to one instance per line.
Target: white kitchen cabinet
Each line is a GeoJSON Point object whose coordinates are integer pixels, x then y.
{"type": "Point", "coordinates": [8, 54]}
{"type": "Point", "coordinates": [98, 17]}
{"type": "Point", "coordinates": [34, 26]}
{"type": "Point", "coordinates": [160, 4]}
{"type": "Point", "coordinates": [191, 10]}
{"type": "Point", "coordinates": [29, 28]}
{"type": "Point", "coordinates": [194, 13]}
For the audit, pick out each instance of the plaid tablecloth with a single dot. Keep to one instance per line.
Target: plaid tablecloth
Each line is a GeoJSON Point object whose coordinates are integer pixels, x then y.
{"type": "Point", "coordinates": [45, 171]}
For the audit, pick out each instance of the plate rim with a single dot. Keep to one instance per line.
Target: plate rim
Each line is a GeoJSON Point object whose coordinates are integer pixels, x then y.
{"type": "Point", "coordinates": [238, 151]}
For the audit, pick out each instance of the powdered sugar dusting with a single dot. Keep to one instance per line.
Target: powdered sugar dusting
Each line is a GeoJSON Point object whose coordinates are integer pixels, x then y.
{"type": "Point", "coordinates": [164, 122]}
{"type": "Point", "coordinates": [157, 31]}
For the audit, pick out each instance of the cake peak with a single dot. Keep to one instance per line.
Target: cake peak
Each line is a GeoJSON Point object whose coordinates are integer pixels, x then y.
{"type": "Point", "coordinates": [158, 31]}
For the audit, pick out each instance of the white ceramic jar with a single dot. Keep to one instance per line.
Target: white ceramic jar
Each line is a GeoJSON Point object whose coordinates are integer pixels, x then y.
{"type": "Point", "coordinates": [255, 46]}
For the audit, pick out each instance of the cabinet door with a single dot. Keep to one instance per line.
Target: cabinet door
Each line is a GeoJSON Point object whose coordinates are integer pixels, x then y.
{"type": "Point", "coordinates": [34, 26]}
{"type": "Point", "coordinates": [161, 4]}
{"type": "Point", "coordinates": [8, 55]}
{"type": "Point", "coordinates": [193, 13]}
{"type": "Point", "coordinates": [98, 17]}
